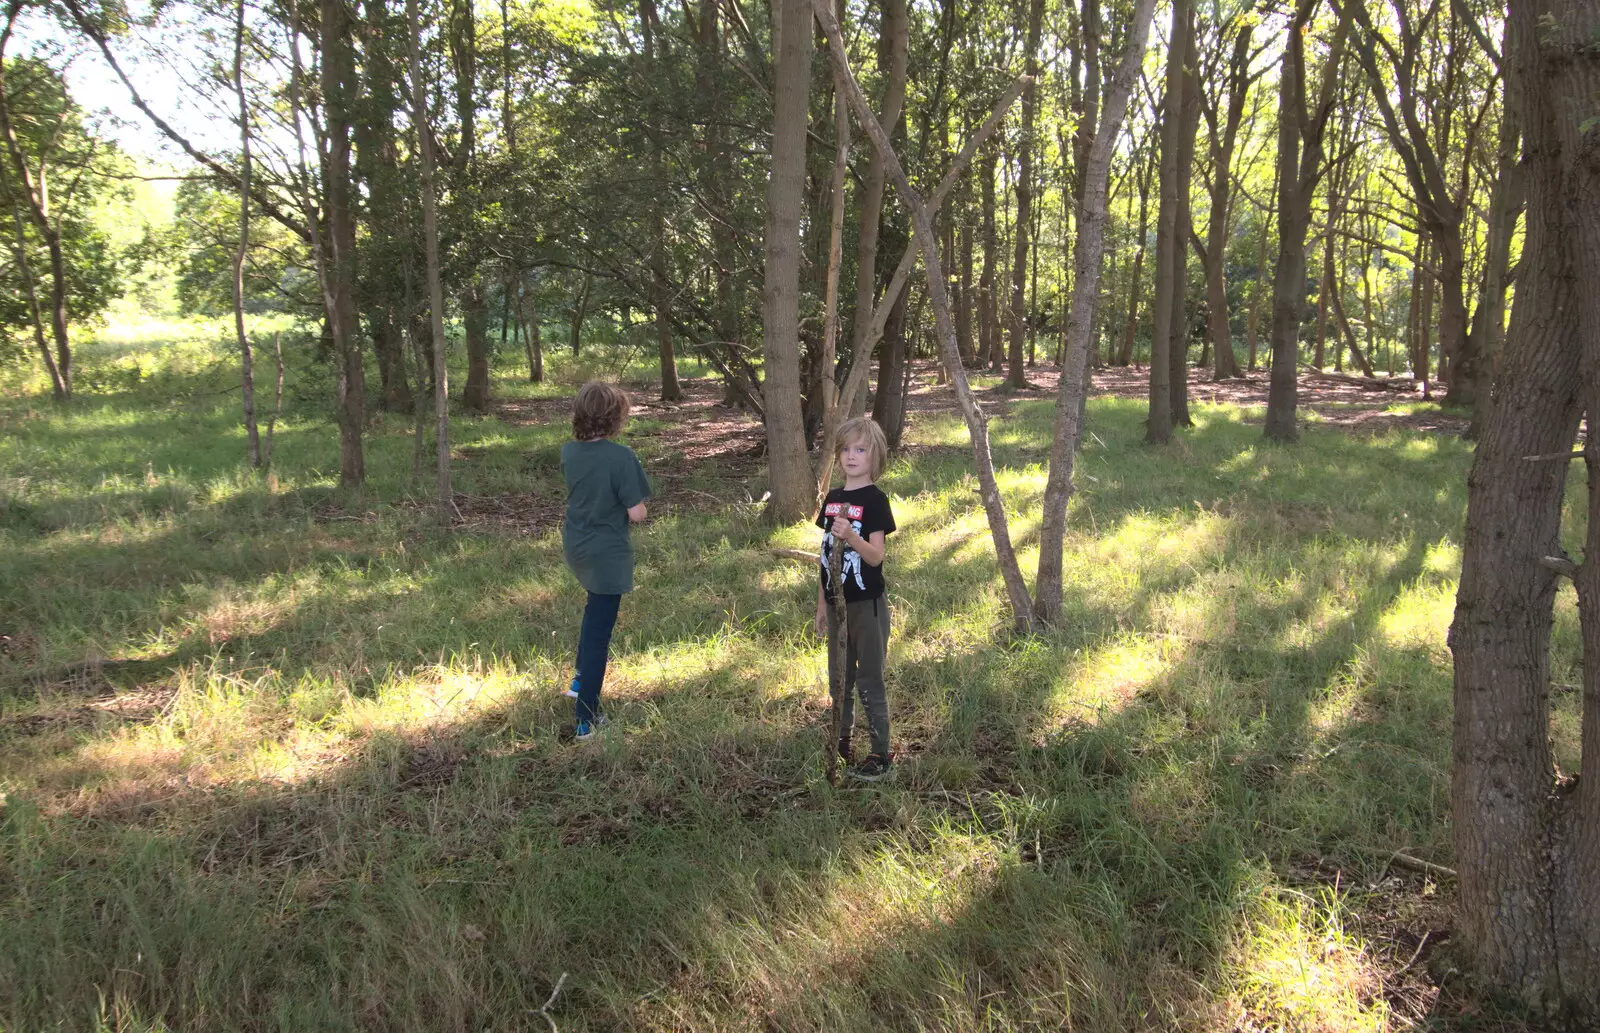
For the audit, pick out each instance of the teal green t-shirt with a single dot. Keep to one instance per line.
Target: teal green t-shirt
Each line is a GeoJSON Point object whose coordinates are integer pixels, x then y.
{"type": "Point", "coordinates": [604, 481]}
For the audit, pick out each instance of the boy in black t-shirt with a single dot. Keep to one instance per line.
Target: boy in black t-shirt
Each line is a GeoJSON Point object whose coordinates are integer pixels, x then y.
{"type": "Point", "coordinates": [858, 518]}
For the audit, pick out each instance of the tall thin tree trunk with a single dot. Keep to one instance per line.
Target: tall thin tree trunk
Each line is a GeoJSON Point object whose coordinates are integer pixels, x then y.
{"type": "Point", "coordinates": [339, 89]}
{"type": "Point", "coordinates": [1179, 350]}
{"type": "Point", "coordinates": [988, 314]}
{"type": "Point", "coordinates": [791, 485]}
{"type": "Point", "coordinates": [36, 198]}
{"type": "Point", "coordinates": [1135, 282]}
{"type": "Point", "coordinates": [660, 287]}
{"type": "Point", "coordinates": [1085, 289]}
{"type": "Point", "coordinates": [247, 377]}
{"type": "Point", "coordinates": [443, 493]}
{"type": "Point", "coordinates": [1019, 264]}
{"type": "Point", "coordinates": [932, 265]}
{"type": "Point", "coordinates": [19, 254]}
{"type": "Point", "coordinates": [1169, 243]}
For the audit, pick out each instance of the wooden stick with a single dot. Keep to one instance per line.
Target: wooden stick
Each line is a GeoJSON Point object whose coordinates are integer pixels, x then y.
{"type": "Point", "coordinates": [1417, 864]}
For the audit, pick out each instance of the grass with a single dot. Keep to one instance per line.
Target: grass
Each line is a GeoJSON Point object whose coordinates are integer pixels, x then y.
{"type": "Point", "coordinates": [286, 759]}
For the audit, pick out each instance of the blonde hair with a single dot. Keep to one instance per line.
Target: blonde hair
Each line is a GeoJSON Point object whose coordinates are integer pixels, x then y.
{"type": "Point", "coordinates": [864, 431]}
{"type": "Point", "coordinates": [599, 410]}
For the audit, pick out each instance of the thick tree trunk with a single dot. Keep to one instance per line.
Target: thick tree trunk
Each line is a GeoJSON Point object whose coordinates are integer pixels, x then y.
{"type": "Point", "coordinates": [1527, 840]}
{"type": "Point", "coordinates": [791, 485]}
{"type": "Point", "coordinates": [1300, 166]}
{"type": "Point", "coordinates": [475, 328]}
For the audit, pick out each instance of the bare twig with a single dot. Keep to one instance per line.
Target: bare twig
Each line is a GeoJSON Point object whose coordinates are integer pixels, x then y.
{"type": "Point", "coordinates": [544, 1009]}
{"type": "Point", "coordinates": [1548, 456]}
{"type": "Point", "coordinates": [1403, 969]}
{"type": "Point", "coordinates": [795, 554]}
{"type": "Point", "coordinates": [1417, 864]}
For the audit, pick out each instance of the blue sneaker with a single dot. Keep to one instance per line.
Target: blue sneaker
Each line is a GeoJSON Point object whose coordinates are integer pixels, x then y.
{"type": "Point", "coordinates": [572, 690]}
{"type": "Point", "coordinates": [586, 730]}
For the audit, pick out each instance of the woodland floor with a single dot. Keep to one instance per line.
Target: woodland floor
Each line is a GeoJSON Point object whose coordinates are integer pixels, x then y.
{"type": "Point", "coordinates": [314, 745]}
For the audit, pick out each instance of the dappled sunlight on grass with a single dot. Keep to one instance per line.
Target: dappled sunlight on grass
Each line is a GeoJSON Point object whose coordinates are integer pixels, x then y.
{"type": "Point", "coordinates": [1296, 967]}
{"type": "Point", "coordinates": [306, 732]}
{"type": "Point", "coordinates": [1419, 618]}
{"type": "Point", "coordinates": [1103, 680]}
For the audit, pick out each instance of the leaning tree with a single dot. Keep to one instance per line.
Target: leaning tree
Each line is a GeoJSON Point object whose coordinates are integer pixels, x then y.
{"type": "Point", "coordinates": [1527, 838]}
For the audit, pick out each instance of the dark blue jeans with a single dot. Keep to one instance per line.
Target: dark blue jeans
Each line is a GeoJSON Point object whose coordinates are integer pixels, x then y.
{"type": "Point", "coordinates": [594, 648]}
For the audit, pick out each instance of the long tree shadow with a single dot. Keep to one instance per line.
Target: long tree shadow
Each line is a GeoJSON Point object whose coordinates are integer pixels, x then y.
{"type": "Point", "coordinates": [1035, 865]}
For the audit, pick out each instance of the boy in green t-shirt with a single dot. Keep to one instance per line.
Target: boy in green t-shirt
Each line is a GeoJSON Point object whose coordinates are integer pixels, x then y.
{"type": "Point", "coordinates": [606, 489]}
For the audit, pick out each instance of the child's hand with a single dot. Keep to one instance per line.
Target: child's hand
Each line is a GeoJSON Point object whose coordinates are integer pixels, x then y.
{"type": "Point", "coordinates": [842, 528]}
{"type": "Point", "coordinates": [820, 625]}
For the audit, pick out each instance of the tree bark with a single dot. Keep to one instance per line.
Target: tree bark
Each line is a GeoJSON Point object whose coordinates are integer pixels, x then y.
{"type": "Point", "coordinates": [1527, 840]}
{"type": "Point", "coordinates": [1018, 377]}
{"type": "Point", "coordinates": [1158, 428]}
{"type": "Point", "coordinates": [791, 486]}
{"type": "Point", "coordinates": [1059, 484]}
{"type": "Point", "coordinates": [1178, 351]}
{"type": "Point", "coordinates": [444, 495]}
{"type": "Point", "coordinates": [247, 377]}
{"type": "Point", "coordinates": [339, 87]}
{"type": "Point", "coordinates": [1300, 167]}
{"type": "Point", "coordinates": [933, 274]}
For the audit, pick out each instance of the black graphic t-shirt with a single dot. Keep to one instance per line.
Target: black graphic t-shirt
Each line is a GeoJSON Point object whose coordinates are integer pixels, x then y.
{"type": "Point", "coordinates": [868, 510]}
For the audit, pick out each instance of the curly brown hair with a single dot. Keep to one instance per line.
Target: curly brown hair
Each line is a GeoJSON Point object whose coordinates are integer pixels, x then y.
{"type": "Point", "coordinates": [599, 410]}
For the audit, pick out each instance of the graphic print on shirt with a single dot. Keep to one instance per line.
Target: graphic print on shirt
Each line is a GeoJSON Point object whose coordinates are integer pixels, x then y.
{"type": "Point", "coordinates": [852, 558]}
